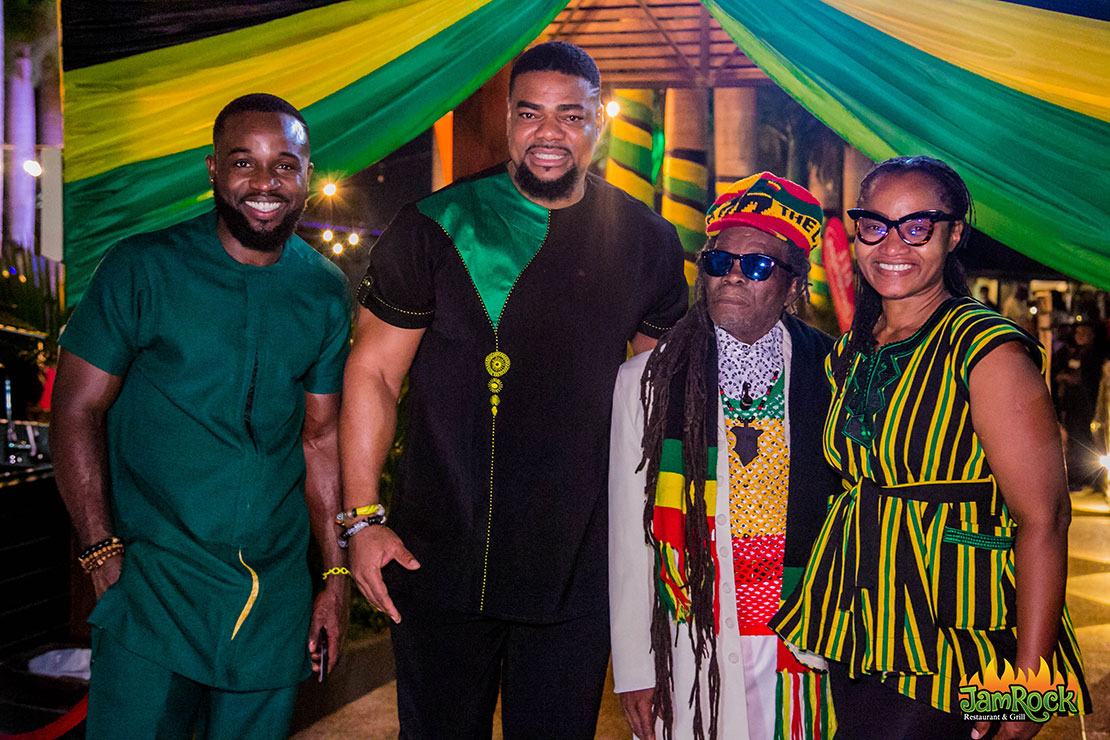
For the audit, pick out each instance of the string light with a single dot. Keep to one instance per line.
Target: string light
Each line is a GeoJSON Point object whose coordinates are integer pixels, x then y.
{"type": "Point", "coordinates": [32, 168]}
{"type": "Point", "coordinates": [352, 238]}
{"type": "Point", "coordinates": [612, 109]}
{"type": "Point", "coordinates": [328, 235]}
{"type": "Point", "coordinates": [337, 248]}
{"type": "Point", "coordinates": [330, 189]}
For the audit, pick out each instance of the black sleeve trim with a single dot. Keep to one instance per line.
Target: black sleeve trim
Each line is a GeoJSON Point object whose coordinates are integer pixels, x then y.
{"type": "Point", "coordinates": [649, 329]}
{"type": "Point", "coordinates": [399, 317]}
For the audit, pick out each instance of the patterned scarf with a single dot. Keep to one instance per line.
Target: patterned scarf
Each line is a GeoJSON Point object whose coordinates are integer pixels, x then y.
{"type": "Point", "coordinates": [803, 707]}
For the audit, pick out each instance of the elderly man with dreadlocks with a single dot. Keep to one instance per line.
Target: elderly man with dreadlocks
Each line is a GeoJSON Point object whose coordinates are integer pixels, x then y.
{"type": "Point", "coordinates": [695, 574]}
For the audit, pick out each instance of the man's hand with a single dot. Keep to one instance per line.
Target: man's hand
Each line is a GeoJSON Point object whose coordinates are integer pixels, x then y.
{"type": "Point", "coordinates": [637, 711]}
{"type": "Point", "coordinates": [107, 574]}
{"type": "Point", "coordinates": [1007, 730]}
{"type": "Point", "coordinates": [370, 551]}
{"type": "Point", "coordinates": [330, 611]}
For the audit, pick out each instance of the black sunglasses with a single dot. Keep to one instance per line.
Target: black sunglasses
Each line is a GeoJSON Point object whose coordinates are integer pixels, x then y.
{"type": "Point", "coordinates": [915, 229]}
{"type": "Point", "coordinates": [758, 267]}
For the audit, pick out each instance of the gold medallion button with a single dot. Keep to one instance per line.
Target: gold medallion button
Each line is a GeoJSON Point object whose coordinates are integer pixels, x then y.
{"type": "Point", "coordinates": [497, 364]}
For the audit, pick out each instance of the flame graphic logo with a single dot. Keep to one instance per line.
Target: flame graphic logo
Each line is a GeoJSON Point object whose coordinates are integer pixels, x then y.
{"type": "Point", "coordinates": [1036, 694]}
{"type": "Point", "coordinates": [1040, 680]}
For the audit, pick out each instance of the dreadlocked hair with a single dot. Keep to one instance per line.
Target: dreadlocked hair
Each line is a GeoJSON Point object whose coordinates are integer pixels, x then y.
{"type": "Point", "coordinates": [956, 199]}
{"type": "Point", "coordinates": [684, 349]}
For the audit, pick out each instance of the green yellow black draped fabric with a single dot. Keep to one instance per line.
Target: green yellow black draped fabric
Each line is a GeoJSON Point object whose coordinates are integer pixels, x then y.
{"type": "Point", "coordinates": [1015, 95]}
{"type": "Point", "coordinates": [144, 82]}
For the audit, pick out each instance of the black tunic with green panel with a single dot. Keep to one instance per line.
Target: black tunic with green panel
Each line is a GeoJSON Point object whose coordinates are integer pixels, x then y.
{"type": "Point", "coordinates": [204, 444]}
{"type": "Point", "coordinates": [912, 576]}
{"type": "Point", "coordinates": [501, 490]}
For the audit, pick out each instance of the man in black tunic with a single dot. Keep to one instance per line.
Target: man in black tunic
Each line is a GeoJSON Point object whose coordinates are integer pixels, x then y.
{"type": "Point", "coordinates": [509, 300]}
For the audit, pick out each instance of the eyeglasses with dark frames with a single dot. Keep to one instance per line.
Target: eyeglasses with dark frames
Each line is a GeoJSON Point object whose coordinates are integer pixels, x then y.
{"type": "Point", "coordinates": [754, 266]}
{"type": "Point", "coordinates": [915, 229]}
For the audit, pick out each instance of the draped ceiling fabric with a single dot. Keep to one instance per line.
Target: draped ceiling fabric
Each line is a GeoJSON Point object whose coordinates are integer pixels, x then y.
{"type": "Point", "coordinates": [1015, 95]}
{"type": "Point", "coordinates": [144, 80]}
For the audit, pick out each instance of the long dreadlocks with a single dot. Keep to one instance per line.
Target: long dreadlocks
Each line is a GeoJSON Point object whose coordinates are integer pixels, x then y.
{"type": "Point", "coordinates": [685, 350]}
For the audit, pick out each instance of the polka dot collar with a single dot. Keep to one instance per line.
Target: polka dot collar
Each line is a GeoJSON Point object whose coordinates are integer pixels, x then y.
{"type": "Point", "coordinates": [756, 365]}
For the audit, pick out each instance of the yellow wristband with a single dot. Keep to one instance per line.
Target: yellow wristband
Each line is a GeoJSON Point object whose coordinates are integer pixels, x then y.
{"type": "Point", "coordinates": [343, 517]}
{"type": "Point", "coordinates": [336, 572]}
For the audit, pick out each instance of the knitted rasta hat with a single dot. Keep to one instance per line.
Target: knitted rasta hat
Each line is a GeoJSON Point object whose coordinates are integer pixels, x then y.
{"type": "Point", "coordinates": [772, 204]}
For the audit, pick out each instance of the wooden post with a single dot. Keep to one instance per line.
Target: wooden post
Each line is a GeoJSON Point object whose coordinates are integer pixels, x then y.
{"type": "Point", "coordinates": [856, 165]}
{"type": "Point", "coordinates": [735, 125]}
{"type": "Point", "coordinates": [479, 127]}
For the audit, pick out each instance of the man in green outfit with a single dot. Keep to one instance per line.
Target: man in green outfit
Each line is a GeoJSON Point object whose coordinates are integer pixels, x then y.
{"type": "Point", "coordinates": [195, 438]}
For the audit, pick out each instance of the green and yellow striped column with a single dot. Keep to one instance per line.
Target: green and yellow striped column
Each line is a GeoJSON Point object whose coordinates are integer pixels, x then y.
{"type": "Point", "coordinates": [818, 280]}
{"type": "Point", "coordinates": [630, 137]}
{"type": "Point", "coordinates": [685, 175]}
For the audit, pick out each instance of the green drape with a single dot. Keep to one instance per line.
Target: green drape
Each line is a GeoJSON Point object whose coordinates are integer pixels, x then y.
{"type": "Point", "coordinates": [351, 128]}
{"type": "Point", "coordinates": [1013, 95]}
{"type": "Point", "coordinates": [1037, 170]}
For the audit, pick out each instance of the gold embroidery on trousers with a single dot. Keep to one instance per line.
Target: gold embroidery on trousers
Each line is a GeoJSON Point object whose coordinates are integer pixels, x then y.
{"type": "Point", "coordinates": [250, 599]}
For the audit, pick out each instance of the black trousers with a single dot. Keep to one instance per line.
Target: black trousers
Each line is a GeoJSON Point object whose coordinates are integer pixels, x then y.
{"type": "Point", "coordinates": [450, 668]}
{"type": "Point", "coordinates": [867, 709]}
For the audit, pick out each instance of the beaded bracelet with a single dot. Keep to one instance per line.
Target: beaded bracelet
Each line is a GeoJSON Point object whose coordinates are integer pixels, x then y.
{"type": "Point", "coordinates": [358, 526]}
{"type": "Point", "coordinates": [98, 553]}
{"type": "Point", "coordinates": [343, 517]}
{"type": "Point", "coordinates": [351, 531]}
{"type": "Point", "coordinates": [336, 572]}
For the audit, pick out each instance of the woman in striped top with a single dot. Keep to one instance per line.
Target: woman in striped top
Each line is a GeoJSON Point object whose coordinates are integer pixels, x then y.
{"type": "Point", "coordinates": [947, 548]}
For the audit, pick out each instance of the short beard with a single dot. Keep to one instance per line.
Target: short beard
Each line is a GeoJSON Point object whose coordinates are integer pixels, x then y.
{"type": "Point", "coordinates": [270, 240]}
{"type": "Point", "coordinates": [548, 190]}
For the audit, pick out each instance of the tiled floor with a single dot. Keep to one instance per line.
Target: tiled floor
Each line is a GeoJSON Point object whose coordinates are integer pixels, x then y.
{"type": "Point", "coordinates": [374, 716]}
{"type": "Point", "coordinates": [1088, 598]}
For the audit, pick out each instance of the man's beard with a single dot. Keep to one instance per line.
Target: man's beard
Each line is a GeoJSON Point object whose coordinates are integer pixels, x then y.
{"type": "Point", "coordinates": [269, 240]}
{"type": "Point", "coordinates": [546, 189]}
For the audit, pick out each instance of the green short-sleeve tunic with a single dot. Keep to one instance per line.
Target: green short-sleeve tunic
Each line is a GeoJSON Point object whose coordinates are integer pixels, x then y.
{"type": "Point", "coordinates": [204, 444]}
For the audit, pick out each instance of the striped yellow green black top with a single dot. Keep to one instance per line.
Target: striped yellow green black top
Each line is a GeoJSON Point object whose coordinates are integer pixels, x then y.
{"type": "Point", "coordinates": [912, 575]}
